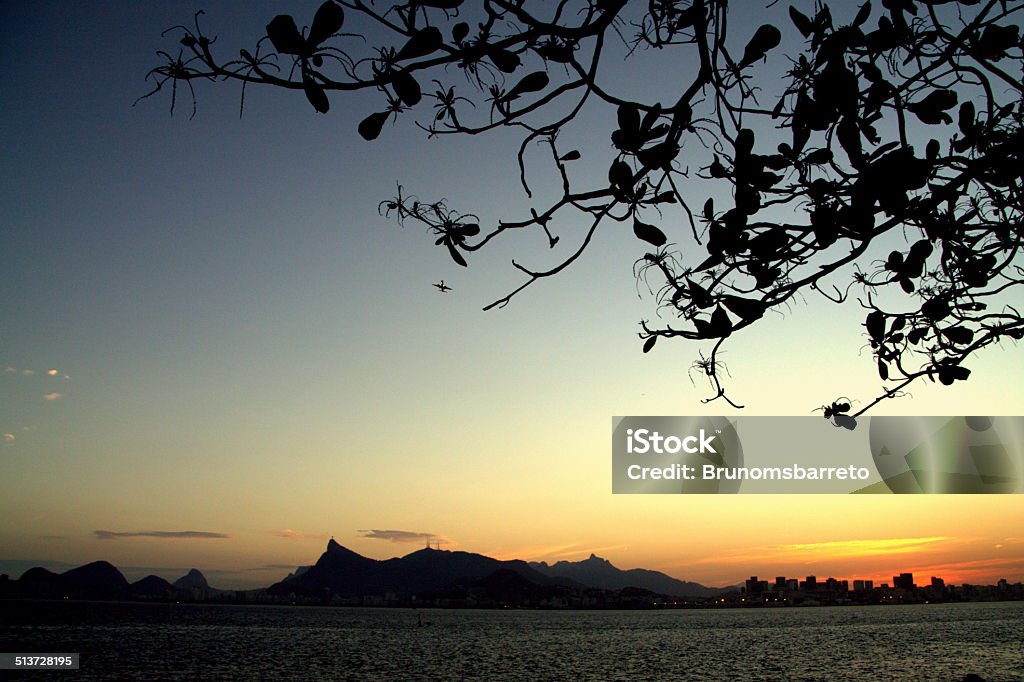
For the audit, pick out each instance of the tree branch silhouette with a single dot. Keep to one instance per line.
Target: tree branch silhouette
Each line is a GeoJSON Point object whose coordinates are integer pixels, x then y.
{"type": "Point", "coordinates": [883, 167]}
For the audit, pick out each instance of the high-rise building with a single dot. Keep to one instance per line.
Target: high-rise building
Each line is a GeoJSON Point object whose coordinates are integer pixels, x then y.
{"type": "Point", "coordinates": [904, 581]}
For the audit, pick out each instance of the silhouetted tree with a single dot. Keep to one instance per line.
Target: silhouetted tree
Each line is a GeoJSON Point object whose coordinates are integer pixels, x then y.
{"type": "Point", "coordinates": [884, 166]}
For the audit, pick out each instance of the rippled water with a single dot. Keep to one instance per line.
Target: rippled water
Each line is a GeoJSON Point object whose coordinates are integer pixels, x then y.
{"type": "Point", "coordinates": [184, 641]}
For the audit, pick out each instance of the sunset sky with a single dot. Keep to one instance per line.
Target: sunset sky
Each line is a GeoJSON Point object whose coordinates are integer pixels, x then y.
{"type": "Point", "coordinates": [215, 353]}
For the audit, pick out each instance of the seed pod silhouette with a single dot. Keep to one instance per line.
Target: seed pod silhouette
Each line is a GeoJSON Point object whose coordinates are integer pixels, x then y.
{"type": "Point", "coordinates": [370, 127]}
{"type": "Point", "coordinates": [326, 22]}
{"type": "Point", "coordinates": [407, 88]}
{"type": "Point", "coordinates": [284, 35]}
{"type": "Point", "coordinates": [765, 38]}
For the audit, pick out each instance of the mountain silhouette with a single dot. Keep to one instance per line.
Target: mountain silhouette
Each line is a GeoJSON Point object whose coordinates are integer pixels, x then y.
{"type": "Point", "coordinates": [100, 579]}
{"type": "Point", "coordinates": [153, 587]}
{"type": "Point", "coordinates": [344, 572]}
{"type": "Point", "coordinates": [597, 572]}
{"type": "Point", "coordinates": [192, 580]}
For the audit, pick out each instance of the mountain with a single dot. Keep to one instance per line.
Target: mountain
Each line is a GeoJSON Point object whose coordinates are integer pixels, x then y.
{"type": "Point", "coordinates": [100, 579]}
{"type": "Point", "coordinates": [344, 572]}
{"type": "Point", "coordinates": [35, 582]}
{"type": "Point", "coordinates": [598, 572]}
{"type": "Point", "coordinates": [38, 575]}
{"type": "Point", "coordinates": [152, 587]}
{"type": "Point", "coordinates": [193, 580]}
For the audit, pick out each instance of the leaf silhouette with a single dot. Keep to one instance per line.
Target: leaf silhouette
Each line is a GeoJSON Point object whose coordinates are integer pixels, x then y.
{"type": "Point", "coordinates": [621, 175]}
{"type": "Point", "coordinates": [649, 344]}
{"type": "Point", "coordinates": [876, 325]}
{"type": "Point", "coordinates": [629, 118]}
{"type": "Point", "coordinates": [932, 109]}
{"type": "Point", "coordinates": [531, 82]}
{"type": "Point", "coordinates": [507, 62]}
{"type": "Point", "coordinates": [720, 324]}
{"type": "Point", "coordinates": [959, 335]}
{"type": "Point", "coordinates": [801, 21]}
{"type": "Point", "coordinates": [420, 44]}
{"type": "Point", "coordinates": [746, 309]}
{"type": "Point", "coordinates": [949, 373]}
{"type": "Point", "coordinates": [863, 13]}
{"type": "Point", "coordinates": [574, 155]}
{"type": "Point", "coordinates": [649, 233]}
{"type": "Point", "coordinates": [315, 94]}
{"type": "Point", "coordinates": [456, 256]}
{"type": "Point", "coordinates": [935, 309]}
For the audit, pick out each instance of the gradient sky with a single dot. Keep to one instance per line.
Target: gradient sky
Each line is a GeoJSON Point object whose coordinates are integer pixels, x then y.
{"type": "Point", "coordinates": [206, 326]}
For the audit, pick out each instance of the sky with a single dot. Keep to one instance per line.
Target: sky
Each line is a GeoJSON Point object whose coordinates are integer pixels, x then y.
{"type": "Point", "coordinates": [214, 352]}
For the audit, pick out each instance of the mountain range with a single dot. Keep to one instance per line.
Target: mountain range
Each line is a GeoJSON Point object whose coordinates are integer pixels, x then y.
{"type": "Point", "coordinates": [344, 572]}
{"type": "Point", "coordinates": [102, 580]}
{"type": "Point", "coordinates": [598, 572]}
{"type": "Point", "coordinates": [340, 572]}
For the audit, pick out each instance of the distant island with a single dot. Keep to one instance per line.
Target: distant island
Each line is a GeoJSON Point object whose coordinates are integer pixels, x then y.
{"type": "Point", "coordinates": [453, 579]}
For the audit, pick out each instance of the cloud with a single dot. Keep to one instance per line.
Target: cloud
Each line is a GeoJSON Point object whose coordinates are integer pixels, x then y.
{"type": "Point", "coordinates": [833, 549]}
{"type": "Point", "coordinates": [297, 535]}
{"type": "Point", "coordinates": [53, 372]}
{"type": "Point", "coordinates": [9, 438]}
{"type": "Point", "coordinates": [163, 534]}
{"type": "Point", "coordinates": [401, 536]}
{"type": "Point", "coordinates": [53, 396]}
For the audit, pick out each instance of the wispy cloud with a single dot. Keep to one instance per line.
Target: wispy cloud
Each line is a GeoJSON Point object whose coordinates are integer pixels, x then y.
{"type": "Point", "coordinates": [52, 396]}
{"type": "Point", "coordinates": [402, 536]}
{"type": "Point", "coordinates": [52, 372]}
{"type": "Point", "coordinates": [832, 549]}
{"type": "Point", "coordinates": [290, 534]}
{"type": "Point", "coordinates": [163, 534]}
